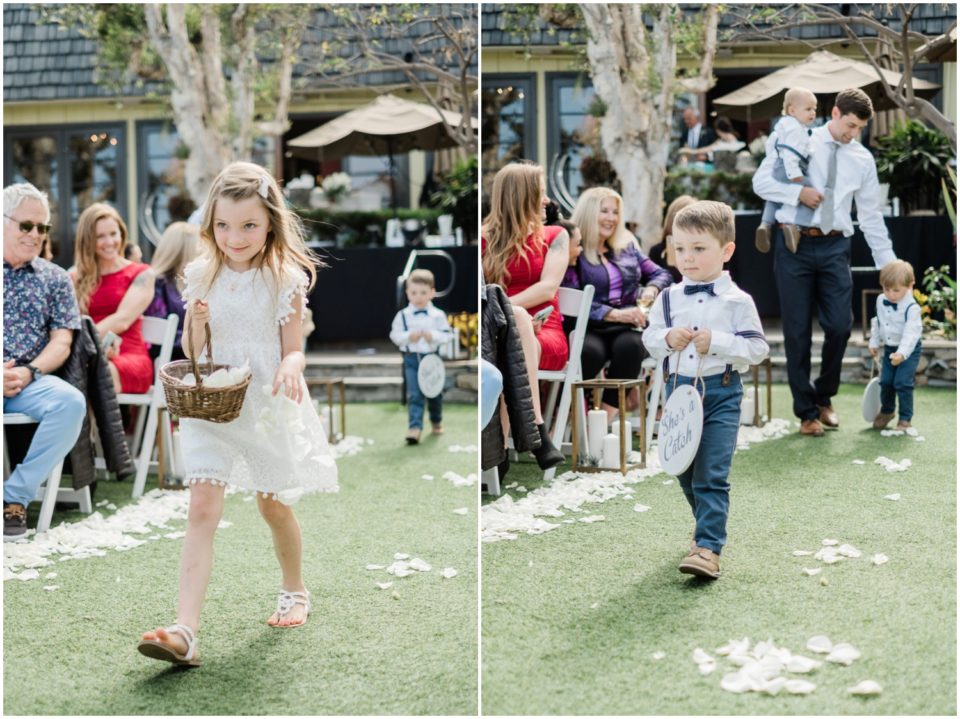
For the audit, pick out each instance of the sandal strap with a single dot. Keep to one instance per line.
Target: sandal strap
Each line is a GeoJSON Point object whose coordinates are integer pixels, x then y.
{"type": "Point", "coordinates": [187, 633]}
{"type": "Point", "coordinates": [288, 600]}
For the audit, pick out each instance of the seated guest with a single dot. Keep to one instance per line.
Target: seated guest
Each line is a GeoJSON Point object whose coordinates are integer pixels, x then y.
{"type": "Point", "coordinates": [576, 240]}
{"type": "Point", "coordinates": [39, 318]}
{"type": "Point", "coordinates": [626, 283]}
{"type": "Point", "coordinates": [662, 252]}
{"type": "Point", "coordinates": [697, 136]}
{"type": "Point", "coordinates": [178, 246]}
{"type": "Point", "coordinates": [114, 292]}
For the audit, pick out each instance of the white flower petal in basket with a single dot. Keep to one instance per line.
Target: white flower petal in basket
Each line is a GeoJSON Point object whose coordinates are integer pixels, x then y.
{"type": "Point", "coordinates": [188, 380]}
{"type": "Point", "coordinates": [843, 654]}
{"type": "Point", "coordinates": [867, 687]}
{"type": "Point", "coordinates": [799, 686]}
{"type": "Point", "coordinates": [819, 644]}
{"type": "Point", "coordinates": [848, 550]}
{"type": "Point", "coordinates": [219, 378]}
{"type": "Point", "coordinates": [879, 559]}
{"type": "Point", "coordinates": [812, 572]}
{"type": "Point", "coordinates": [802, 665]}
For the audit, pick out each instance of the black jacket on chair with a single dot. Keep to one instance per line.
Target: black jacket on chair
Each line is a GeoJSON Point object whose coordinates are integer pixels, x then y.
{"type": "Point", "coordinates": [500, 345]}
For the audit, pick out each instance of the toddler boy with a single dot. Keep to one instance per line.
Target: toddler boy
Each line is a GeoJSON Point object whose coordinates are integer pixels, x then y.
{"type": "Point", "coordinates": [790, 139]}
{"type": "Point", "coordinates": [707, 329]}
{"type": "Point", "coordinates": [897, 329]}
{"type": "Point", "coordinates": [420, 329]}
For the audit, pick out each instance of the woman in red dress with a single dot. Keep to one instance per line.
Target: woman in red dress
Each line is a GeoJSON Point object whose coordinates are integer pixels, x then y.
{"type": "Point", "coordinates": [528, 260]}
{"type": "Point", "coordinates": [114, 292]}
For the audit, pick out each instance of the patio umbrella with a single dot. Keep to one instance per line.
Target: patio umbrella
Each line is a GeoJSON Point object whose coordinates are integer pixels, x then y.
{"type": "Point", "coordinates": [824, 74]}
{"type": "Point", "coordinates": [386, 126]}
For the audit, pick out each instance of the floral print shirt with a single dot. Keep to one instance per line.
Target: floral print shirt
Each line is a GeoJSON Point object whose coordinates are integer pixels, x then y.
{"type": "Point", "coordinates": [38, 297]}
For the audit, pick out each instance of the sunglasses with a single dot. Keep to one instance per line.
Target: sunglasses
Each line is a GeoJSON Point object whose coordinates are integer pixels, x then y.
{"type": "Point", "coordinates": [26, 227]}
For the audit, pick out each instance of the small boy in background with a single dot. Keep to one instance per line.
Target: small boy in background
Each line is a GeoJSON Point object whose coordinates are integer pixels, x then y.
{"type": "Point", "coordinates": [710, 331]}
{"type": "Point", "coordinates": [790, 140]}
{"type": "Point", "coordinates": [897, 329]}
{"type": "Point", "coordinates": [420, 329]}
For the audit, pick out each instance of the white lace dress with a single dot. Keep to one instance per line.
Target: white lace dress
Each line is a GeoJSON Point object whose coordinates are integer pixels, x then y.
{"type": "Point", "coordinates": [274, 447]}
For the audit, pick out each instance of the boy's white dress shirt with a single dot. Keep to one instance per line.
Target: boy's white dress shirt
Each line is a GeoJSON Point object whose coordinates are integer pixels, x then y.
{"type": "Point", "coordinates": [856, 180]}
{"type": "Point", "coordinates": [430, 318]}
{"type": "Point", "coordinates": [897, 325]}
{"type": "Point", "coordinates": [730, 315]}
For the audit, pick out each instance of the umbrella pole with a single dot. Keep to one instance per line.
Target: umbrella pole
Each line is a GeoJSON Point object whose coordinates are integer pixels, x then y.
{"type": "Point", "coordinates": [393, 178]}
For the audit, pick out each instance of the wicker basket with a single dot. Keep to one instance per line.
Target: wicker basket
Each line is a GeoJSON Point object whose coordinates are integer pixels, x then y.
{"type": "Point", "coordinates": [214, 404]}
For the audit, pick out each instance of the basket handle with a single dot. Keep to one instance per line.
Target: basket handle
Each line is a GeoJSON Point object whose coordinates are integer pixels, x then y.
{"type": "Point", "coordinates": [193, 355]}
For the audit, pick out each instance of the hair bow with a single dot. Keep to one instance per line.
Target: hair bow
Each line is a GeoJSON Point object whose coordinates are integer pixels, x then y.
{"type": "Point", "coordinates": [264, 186]}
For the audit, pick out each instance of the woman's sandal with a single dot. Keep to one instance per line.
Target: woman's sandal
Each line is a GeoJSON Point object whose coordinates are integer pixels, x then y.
{"type": "Point", "coordinates": [287, 601]}
{"type": "Point", "coordinates": [155, 649]}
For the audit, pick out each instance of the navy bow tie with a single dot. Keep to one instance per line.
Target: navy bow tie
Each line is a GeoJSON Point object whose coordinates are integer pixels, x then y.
{"type": "Point", "coordinates": [419, 312]}
{"type": "Point", "coordinates": [694, 289]}
{"type": "Point", "coordinates": [888, 303]}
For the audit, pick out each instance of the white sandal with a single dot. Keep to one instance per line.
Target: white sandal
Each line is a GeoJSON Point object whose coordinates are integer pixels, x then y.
{"type": "Point", "coordinates": [155, 649]}
{"type": "Point", "coordinates": [287, 601]}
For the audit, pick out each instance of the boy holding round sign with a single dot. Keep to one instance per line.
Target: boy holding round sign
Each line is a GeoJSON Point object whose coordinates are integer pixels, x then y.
{"type": "Point", "coordinates": [707, 331]}
{"type": "Point", "coordinates": [419, 329]}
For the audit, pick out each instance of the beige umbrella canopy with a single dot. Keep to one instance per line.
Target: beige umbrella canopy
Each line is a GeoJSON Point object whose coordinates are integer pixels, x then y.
{"type": "Point", "coordinates": [824, 74]}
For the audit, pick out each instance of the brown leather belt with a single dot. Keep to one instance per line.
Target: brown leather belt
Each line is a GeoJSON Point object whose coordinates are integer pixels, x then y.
{"type": "Point", "coordinates": [817, 232]}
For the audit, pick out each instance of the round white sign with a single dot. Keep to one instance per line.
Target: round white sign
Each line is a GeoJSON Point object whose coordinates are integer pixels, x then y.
{"type": "Point", "coordinates": [681, 425]}
{"type": "Point", "coordinates": [431, 375]}
{"type": "Point", "coordinates": [870, 404]}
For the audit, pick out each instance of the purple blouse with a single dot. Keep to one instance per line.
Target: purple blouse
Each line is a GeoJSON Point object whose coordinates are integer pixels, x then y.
{"type": "Point", "coordinates": [635, 269]}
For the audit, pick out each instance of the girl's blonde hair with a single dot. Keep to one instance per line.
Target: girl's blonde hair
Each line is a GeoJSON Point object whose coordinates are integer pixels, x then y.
{"type": "Point", "coordinates": [178, 246]}
{"type": "Point", "coordinates": [286, 248]}
{"type": "Point", "coordinates": [87, 273]}
{"type": "Point", "coordinates": [515, 213]}
{"type": "Point", "coordinates": [586, 216]}
{"type": "Point", "coordinates": [667, 234]}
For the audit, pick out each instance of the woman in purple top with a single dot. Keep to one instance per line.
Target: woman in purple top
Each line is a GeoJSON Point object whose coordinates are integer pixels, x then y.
{"type": "Point", "coordinates": [178, 247]}
{"type": "Point", "coordinates": [626, 283]}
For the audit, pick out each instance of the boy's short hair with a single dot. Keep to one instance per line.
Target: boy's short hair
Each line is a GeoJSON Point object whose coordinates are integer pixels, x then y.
{"type": "Point", "coordinates": [854, 101]}
{"type": "Point", "coordinates": [896, 273]}
{"type": "Point", "coordinates": [422, 277]}
{"type": "Point", "coordinates": [709, 217]}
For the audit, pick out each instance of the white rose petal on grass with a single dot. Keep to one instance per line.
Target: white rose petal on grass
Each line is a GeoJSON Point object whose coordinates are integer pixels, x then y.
{"type": "Point", "coordinates": [848, 550]}
{"type": "Point", "coordinates": [843, 654]}
{"type": "Point", "coordinates": [461, 510]}
{"type": "Point", "coordinates": [401, 555]}
{"type": "Point", "coordinates": [50, 575]}
{"type": "Point", "coordinates": [593, 518]}
{"type": "Point", "coordinates": [28, 574]}
{"type": "Point", "coordinates": [801, 552]}
{"type": "Point", "coordinates": [858, 461]}
{"type": "Point", "coordinates": [812, 572]}
{"type": "Point", "coordinates": [667, 481]}
{"type": "Point", "coordinates": [426, 476]}
{"type": "Point", "coordinates": [595, 605]}
{"type": "Point", "coordinates": [657, 656]}
{"type": "Point", "coordinates": [867, 687]}
{"type": "Point", "coordinates": [384, 585]}
{"type": "Point", "coordinates": [879, 559]}
{"type": "Point", "coordinates": [920, 439]}
{"type": "Point", "coordinates": [707, 667]}
{"type": "Point", "coordinates": [419, 565]}
{"type": "Point", "coordinates": [373, 567]}
{"type": "Point", "coordinates": [893, 497]}
{"type": "Point", "coordinates": [801, 665]}
{"type": "Point", "coordinates": [52, 587]}
{"type": "Point", "coordinates": [819, 644]}
{"type": "Point", "coordinates": [829, 542]}
{"type": "Point", "coordinates": [522, 490]}
{"type": "Point", "coordinates": [734, 646]}
{"type": "Point", "coordinates": [700, 656]}
{"type": "Point", "coordinates": [448, 573]}
{"type": "Point", "coordinates": [737, 683]}
{"type": "Point", "coordinates": [640, 507]}
{"type": "Point", "coordinates": [799, 686]}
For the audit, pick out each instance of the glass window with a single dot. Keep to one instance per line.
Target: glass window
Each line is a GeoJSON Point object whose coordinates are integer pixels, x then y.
{"type": "Point", "coordinates": [508, 125]}
{"type": "Point", "coordinates": [573, 133]}
{"type": "Point", "coordinates": [34, 160]}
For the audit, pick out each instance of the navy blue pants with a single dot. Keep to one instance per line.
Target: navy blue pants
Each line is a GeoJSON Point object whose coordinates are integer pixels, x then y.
{"type": "Point", "coordinates": [415, 398]}
{"type": "Point", "coordinates": [816, 278]}
{"type": "Point", "coordinates": [706, 482]}
{"type": "Point", "coordinates": [896, 383]}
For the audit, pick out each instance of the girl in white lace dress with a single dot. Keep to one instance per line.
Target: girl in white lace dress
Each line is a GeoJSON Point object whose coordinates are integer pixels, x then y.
{"type": "Point", "coordinates": [250, 286]}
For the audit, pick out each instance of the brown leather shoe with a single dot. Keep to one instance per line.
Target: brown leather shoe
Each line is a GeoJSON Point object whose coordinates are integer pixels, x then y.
{"type": "Point", "coordinates": [882, 420]}
{"type": "Point", "coordinates": [791, 237]}
{"type": "Point", "coordinates": [413, 435]}
{"type": "Point", "coordinates": [762, 238]}
{"type": "Point", "coordinates": [701, 562]}
{"type": "Point", "coordinates": [811, 428]}
{"type": "Point", "coordinates": [828, 418]}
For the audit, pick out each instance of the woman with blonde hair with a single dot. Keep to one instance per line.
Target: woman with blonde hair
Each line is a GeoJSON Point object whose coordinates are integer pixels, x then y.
{"type": "Point", "coordinates": [178, 246]}
{"type": "Point", "coordinates": [114, 291]}
{"type": "Point", "coordinates": [528, 260]}
{"type": "Point", "coordinates": [625, 284]}
{"type": "Point", "coordinates": [662, 252]}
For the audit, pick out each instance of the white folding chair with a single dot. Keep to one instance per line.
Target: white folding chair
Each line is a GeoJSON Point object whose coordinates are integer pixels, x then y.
{"type": "Point", "coordinates": [50, 491]}
{"type": "Point", "coordinates": [573, 303]}
{"type": "Point", "coordinates": [491, 479]}
{"type": "Point", "coordinates": [160, 332]}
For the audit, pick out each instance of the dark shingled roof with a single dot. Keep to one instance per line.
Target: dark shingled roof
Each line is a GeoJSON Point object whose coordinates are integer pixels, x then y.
{"type": "Point", "coordinates": [931, 19]}
{"type": "Point", "coordinates": [44, 61]}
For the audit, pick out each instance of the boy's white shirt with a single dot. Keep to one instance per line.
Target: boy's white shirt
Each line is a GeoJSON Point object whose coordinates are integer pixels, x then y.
{"type": "Point", "coordinates": [900, 327]}
{"type": "Point", "coordinates": [790, 131]}
{"type": "Point", "coordinates": [731, 316]}
{"type": "Point", "coordinates": [435, 321]}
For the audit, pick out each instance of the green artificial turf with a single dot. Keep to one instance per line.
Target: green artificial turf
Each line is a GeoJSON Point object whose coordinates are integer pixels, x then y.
{"type": "Point", "coordinates": [362, 652]}
{"type": "Point", "coordinates": [571, 618]}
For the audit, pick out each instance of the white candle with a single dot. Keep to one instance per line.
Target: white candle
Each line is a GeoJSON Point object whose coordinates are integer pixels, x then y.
{"type": "Point", "coordinates": [325, 419]}
{"type": "Point", "coordinates": [611, 451]}
{"type": "Point", "coordinates": [615, 428]}
{"type": "Point", "coordinates": [747, 406]}
{"type": "Point", "coordinates": [596, 429]}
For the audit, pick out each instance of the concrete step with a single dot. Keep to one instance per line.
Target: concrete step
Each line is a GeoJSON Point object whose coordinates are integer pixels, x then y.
{"type": "Point", "coordinates": [385, 383]}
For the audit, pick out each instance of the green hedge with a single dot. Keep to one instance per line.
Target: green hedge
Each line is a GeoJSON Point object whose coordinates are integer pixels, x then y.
{"type": "Point", "coordinates": [360, 229]}
{"type": "Point", "coordinates": [735, 189]}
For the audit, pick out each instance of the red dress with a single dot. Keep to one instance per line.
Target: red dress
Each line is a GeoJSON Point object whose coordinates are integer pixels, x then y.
{"type": "Point", "coordinates": [524, 273]}
{"type": "Point", "coordinates": [132, 361]}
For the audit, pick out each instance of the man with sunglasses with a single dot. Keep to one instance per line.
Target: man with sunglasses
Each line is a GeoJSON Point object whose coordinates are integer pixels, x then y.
{"type": "Point", "coordinates": [39, 317]}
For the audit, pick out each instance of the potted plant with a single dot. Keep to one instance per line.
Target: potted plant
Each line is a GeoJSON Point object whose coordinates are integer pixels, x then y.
{"type": "Point", "coordinates": [913, 159]}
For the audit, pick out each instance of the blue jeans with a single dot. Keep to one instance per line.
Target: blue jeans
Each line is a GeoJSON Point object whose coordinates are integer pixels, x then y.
{"type": "Point", "coordinates": [415, 398]}
{"type": "Point", "coordinates": [896, 383]}
{"type": "Point", "coordinates": [491, 385]}
{"type": "Point", "coordinates": [706, 482]}
{"type": "Point", "coordinates": [59, 408]}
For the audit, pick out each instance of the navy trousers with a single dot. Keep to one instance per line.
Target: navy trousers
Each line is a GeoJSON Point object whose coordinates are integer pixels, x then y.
{"type": "Point", "coordinates": [896, 383]}
{"type": "Point", "coordinates": [815, 279]}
